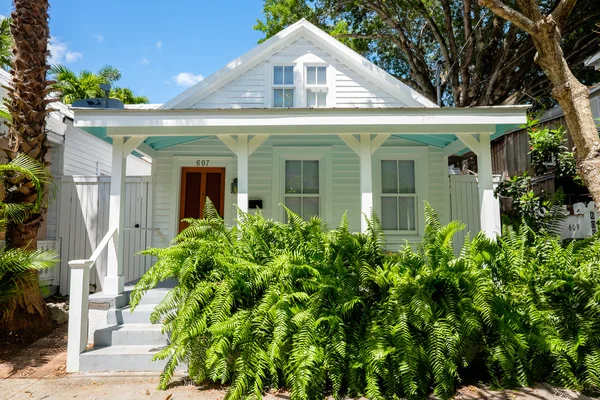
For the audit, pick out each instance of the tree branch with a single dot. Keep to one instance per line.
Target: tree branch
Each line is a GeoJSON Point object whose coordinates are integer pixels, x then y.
{"type": "Point", "coordinates": [562, 11]}
{"type": "Point", "coordinates": [510, 14]}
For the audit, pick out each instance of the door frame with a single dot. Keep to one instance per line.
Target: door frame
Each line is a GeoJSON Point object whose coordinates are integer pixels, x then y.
{"type": "Point", "coordinates": [203, 170]}
{"type": "Point", "coordinates": [178, 163]}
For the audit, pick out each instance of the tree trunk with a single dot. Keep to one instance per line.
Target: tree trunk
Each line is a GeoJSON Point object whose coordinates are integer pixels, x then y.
{"type": "Point", "coordinates": [28, 106]}
{"type": "Point", "coordinates": [573, 98]}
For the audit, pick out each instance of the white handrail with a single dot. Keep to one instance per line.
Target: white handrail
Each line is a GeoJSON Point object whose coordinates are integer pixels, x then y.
{"type": "Point", "coordinates": [103, 243]}
{"type": "Point", "coordinates": [78, 302]}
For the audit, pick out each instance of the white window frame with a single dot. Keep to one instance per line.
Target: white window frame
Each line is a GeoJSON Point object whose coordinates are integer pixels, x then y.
{"type": "Point", "coordinates": [301, 196]}
{"type": "Point", "coordinates": [317, 153]}
{"type": "Point", "coordinates": [319, 87]}
{"type": "Point", "coordinates": [420, 156]}
{"type": "Point", "coordinates": [274, 86]}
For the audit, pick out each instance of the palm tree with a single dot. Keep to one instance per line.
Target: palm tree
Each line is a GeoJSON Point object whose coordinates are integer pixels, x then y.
{"type": "Point", "coordinates": [86, 85]}
{"type": "Point", "coordinates": [127, 97]}
{"type": "Point", "coordinates": [17, 264]}
{"type": "Point", "coordinates": [28, 106]}
{"type": "Point", "coordinates": [73, 87]}
{"type": "Point", "coordinates": [5, 43]}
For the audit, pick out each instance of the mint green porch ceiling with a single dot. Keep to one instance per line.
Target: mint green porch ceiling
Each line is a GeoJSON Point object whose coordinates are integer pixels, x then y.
{"type": "Point", "coordinates": [437, 140]}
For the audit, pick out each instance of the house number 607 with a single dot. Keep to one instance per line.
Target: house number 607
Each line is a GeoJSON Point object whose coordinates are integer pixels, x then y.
{"type": "Point", "coordinates": [202, 163]}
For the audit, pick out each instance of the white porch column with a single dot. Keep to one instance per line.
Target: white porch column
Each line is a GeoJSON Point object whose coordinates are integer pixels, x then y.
{"type": "Point", "coordinates": [364, 149]}
{"type": "Point", "coordinates": [366, 180]}
{"type": "Point", "coordinates": [242, 159]}
{"type": "Point", "coordinates": [114, 280]}
{"type": "Point", "coordinates": [488, 206]}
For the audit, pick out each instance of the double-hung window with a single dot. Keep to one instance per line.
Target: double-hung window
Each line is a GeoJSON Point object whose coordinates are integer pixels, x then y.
{"type": "Point", "coordinates": [316, 86]}
{"type": "Point", "coordinates": [302, 190]}
{"type": "Point", "coordinates": [283, 86]}
{"type": "Point", "coordinates": [398, 195]}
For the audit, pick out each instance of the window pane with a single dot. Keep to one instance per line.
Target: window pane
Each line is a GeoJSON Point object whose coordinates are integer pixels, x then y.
{"type": "Point", "coordinates": [288, 97]}
{"type": "Point", "coordinates": [406, 174]}
{"type": "Point", "coordinates": [311, 98]}
{"type": "Point", "coordinates": [311, 177]}
{"type": "Point", "coordinates": [293, 176]}
{"type": "Point", "coordinates": [278, 75]}
{"type": "Point", "coordinates": [321, 75]}
{"type": "Point", "coordinates": [311, 75]}
{"type": "Point", "coordinates": [389, 176]}
{"type": "Point", "coordinates": [311, 207]}
{"type": "Point", "coordinates": [294, 204]}
{"type": "Point", "coordinates": [289, 75]}
{"type": "Point", "coordinates": [278, 98]}
{"type": "Point", "coordinates": [321, 99]}
{"type": "Point", "coordinates": [406, 210]}
{"type": "Point", "coordinates": [389, 213]}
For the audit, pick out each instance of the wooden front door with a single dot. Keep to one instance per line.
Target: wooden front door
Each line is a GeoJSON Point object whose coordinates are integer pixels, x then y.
{"type": "Point", "coordinates": [197, 184]}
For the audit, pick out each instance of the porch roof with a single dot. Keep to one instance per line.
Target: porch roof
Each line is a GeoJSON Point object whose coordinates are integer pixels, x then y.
{"type": "Point", "coordinates": [165, 128]}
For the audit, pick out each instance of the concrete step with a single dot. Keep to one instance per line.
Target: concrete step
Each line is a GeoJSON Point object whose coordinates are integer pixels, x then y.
{"type": "Point", "coordinates": [121, 358]}
{"type": "Point", "coordinates": [122, 316]}
{"type": "Point", "coordinates": [154, 296]}
{"type": "Point", "coordinates": [130, 335]}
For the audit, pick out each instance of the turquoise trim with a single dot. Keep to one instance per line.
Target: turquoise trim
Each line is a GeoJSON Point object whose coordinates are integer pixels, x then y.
{"type": "Point", "coordinates": [439, 141]}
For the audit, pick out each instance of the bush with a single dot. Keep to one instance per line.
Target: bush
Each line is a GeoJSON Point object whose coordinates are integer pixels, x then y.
{"type": "Point", "coordinates": [317, 311]}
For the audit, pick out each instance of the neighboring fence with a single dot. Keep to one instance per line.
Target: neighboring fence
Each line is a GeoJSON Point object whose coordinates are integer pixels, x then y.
{"type": "Point", "coordinates": [83, 222]}
{"type": "Point", "coordinates": [464, 206]}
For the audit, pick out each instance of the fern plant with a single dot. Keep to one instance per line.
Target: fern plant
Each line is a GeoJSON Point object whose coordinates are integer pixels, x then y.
{"type": "Point", "coordinates": [15, 264]}
{"type": "Point", "coordinates": [327, 312]}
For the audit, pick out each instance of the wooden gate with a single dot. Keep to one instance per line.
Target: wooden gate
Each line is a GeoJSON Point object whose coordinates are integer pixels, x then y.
{"type": "Point", "coordinates": [83, 222]}
{"type": "Point", "coordinates": [464, 206]}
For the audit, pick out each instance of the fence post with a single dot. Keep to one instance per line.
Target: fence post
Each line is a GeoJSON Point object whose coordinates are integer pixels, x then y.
{"type": "Point", "coordinates": [78, 312]}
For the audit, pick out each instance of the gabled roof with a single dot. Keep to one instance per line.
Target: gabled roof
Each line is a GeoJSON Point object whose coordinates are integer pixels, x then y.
{"type": "Point", "coordinates": [305, 29]}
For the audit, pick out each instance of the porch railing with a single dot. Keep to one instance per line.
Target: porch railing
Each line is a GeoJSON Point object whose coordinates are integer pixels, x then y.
{"type": "Point", "coordinates": [78, 303]}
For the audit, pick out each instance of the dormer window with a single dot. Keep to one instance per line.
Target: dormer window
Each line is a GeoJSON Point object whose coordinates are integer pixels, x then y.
{"type": "Point", "coordinates": [316, 86]}
{"type": "Point", "coordinates": [283, 86]}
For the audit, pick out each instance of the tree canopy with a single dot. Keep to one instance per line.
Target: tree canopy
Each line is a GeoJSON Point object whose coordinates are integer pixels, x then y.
{"type": "Point", "coordinates": [485, 59]}
{"type": "Point", "coordinates": [86, 85]}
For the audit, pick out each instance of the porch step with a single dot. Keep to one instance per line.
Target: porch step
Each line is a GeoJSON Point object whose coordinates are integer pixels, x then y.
{"type": "Point", "coordinates": [121, 316]}
{"type": "Point", "coordinates": [130, 335]}
{"type": "Point", "coordinates": [121, 358]}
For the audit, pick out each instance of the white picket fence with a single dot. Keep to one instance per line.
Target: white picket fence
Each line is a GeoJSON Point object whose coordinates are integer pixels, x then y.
{"type": "Point", "coordinates": [83, 221]}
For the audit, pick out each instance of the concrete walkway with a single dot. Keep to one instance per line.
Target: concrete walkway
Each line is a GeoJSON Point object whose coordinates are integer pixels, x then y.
{"type": "Point", "coordinates": [111, 386]}
{"type": "Point", "coordinates": [125, 386]}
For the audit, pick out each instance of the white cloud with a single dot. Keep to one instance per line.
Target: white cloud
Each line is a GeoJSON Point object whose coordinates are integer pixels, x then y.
{"type": "Point", "coordinates": [60, 52]}
{"type": "Point", "coordinates": [99, 38]}
{"type": "Point", "coordinates": [143, 61]}
{"type": "Point", "coordinates": [159, 45]}
{"type": "Point", "coordinates": [187, 79]}
{"type": "Point", "coordinates": [72, 56]}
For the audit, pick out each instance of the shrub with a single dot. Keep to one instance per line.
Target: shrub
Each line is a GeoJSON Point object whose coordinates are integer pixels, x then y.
{"type": "Point", "coordinates": [318, 311]}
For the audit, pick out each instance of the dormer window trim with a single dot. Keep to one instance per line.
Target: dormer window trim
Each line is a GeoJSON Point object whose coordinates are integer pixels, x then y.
{"type": "Point", "coordinates": [299, 86]}
{"type": "Point", "coordinates": [283, 92]}
{"type": "Point", "coordinates": [316, 94]}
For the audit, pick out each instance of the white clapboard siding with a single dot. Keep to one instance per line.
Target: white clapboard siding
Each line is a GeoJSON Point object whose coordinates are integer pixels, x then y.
{"type": "Point", "coordinates": [83, 222]}
{"type": "Point", "coordinates": [345, 178]}
{"type": "Point", "coordinates": [464, 206]}
{"type": "Point", "coordinates": [248, 90]}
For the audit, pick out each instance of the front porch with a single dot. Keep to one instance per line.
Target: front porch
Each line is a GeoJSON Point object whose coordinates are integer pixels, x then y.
{"type": "Point", "coordinates": [350, 152]}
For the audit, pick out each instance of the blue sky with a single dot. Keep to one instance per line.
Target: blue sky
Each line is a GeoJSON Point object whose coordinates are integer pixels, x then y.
{"type": "Point", "coordinates": [161, 47]}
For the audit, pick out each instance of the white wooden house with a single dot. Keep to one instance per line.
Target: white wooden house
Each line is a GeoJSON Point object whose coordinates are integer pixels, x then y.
{"type": "Point", "coordinates": [75, 156]}
{"type": "Point", "coordinates": [300, 120]}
